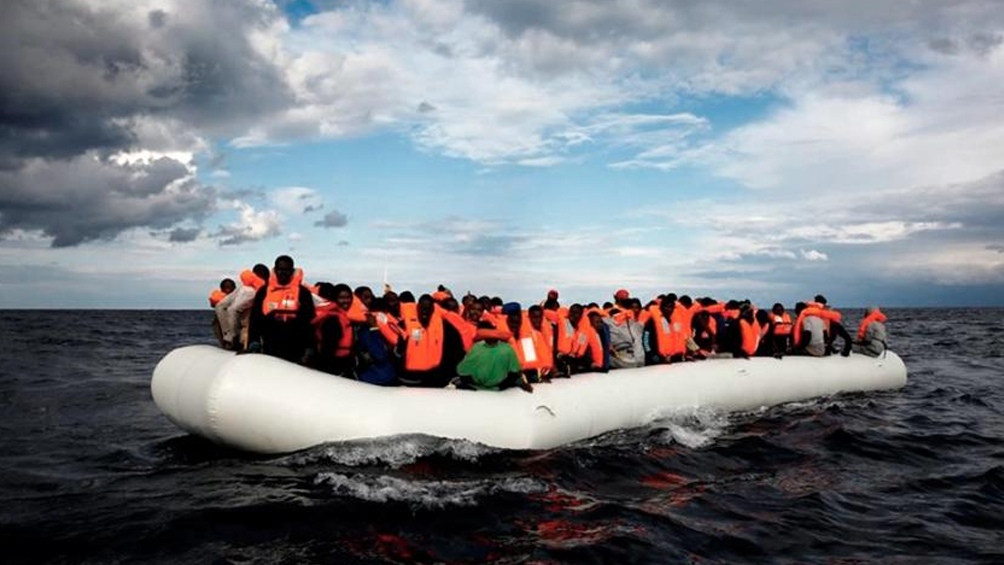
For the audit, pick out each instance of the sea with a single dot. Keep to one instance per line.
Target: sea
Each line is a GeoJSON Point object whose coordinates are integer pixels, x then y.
{"type": "Point", "coordinates": [92, 472]}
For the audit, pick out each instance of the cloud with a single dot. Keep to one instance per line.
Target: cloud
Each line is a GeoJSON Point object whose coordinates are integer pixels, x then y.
{"type": "Point", "coordinates": [184, 235]}
{"type": "Point", "coordinates": [89, 198]}
{"type": "Point", "coordinates": [89, 81]}
{"type": "Point", "coordinates": [333, 219]}
{"type": "Point", "coordinates": [253, 225]}
{"type": "Point", "coordinates": [296, 199]}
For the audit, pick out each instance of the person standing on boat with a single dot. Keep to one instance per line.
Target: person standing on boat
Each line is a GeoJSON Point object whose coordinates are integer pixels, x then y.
{"type": "Point", "coordinates": [233, 312]}
{"type": "Point", "coordinates": [871, 333]}
{"type": "Point", "coordinates": [432, 346]}
{"type": "Point", "coordinates": [281, 315]}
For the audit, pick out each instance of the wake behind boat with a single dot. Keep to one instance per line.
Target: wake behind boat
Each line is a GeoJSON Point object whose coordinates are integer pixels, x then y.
{"type": "Point", "coordinates": [263, 404]}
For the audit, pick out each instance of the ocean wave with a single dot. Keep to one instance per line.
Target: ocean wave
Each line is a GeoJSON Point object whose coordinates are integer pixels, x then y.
{"type": "Point", "coordinates": [394, 452]}
{"type": "Point", "coordinates": [425, 494]}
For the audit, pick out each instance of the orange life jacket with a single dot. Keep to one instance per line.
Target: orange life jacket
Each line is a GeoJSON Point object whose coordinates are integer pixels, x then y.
{"type": "Point", "coordinates": [876, 316]}
{"type": "Point", "coordinates": [425, 345]}
{"type": "Point", "coordinates": [566, 334]}
{"type": "Point", "coordinates": [539, 341]}
{"type": "Point", "coordinates": [389, 328]}
{"type": "Point", "coordinates": [826, 315]}
{"type": "Point", "coordinates": [215, 297]}
{"type": "Point", "coordinates": [331, 310]}
{"type": "Point", "coordinates": [357, 311]}
{"type": "Point", "coordinates": [249, 278]}
{"type": "Point", "coordinates": [782, 324]}
{"type": "Point", "coordinates": [586, 337]}
{"type": "Point", "coordinates": [464, 327]}
{"type": "Point", "coordinates": [283, 300]}
{"type": "Point", "coordinates": [750, 333]}
{"type": "Point", "coordinates": [670, 339]}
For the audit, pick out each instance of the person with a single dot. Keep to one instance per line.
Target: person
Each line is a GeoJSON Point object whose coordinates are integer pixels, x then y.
{"type": "Point", "coordinates": [218, 295]}
{"type": "Point", "coordinates": [781, 327]}
{"type": "Point", "coordinates": [809, 338]}
{"type": "Point", "coordinates": [542, 333]}
{"type": "Point", "coordinates": [871, 338]}
{"type": "Point", "coordinates": [432, 347]}
{"type": "Point", "coordinates": [602, 340]}
{"type": "Point", "coordinates": [233, 312]}
{"type": "Point", "coordinates": [664, 339]}
{"type": "Point", "coordinates": [226, 287]}
{"type": "Point", "coordinates": [375, 360]}
{"type": "Point", "coordinates": [491, 364]}
{"type": "Point", "coordinates": [627, 348]}
{"type": "Point", "coordinates": [333, 333]}
{"type": "Point", "coordinates": [577, 343]}
{"type": "Point", "coordinates": [281, 315]}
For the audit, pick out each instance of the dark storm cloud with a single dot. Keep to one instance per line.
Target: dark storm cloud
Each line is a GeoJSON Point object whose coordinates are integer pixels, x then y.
{"type": "Point", "coordinates": [333, 219]}
{"type": "Point", "coordinates": [184, 235]}
{"type": "Point", "coordinates": [78, 82]}
{"type": "Point", "coordinates": [84, 199]}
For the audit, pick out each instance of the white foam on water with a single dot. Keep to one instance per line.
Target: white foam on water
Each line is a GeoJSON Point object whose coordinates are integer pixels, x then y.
{"type": "Point", "coordinates": [695, 428]}
{"type": "Point", "coordinates": [393, 452]}
{"type": "Point", "coordinates": [426, 494]}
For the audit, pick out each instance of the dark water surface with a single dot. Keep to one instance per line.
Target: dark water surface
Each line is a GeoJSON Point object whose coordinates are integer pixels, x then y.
{"type": "Point", "coordinates": [93, 473]}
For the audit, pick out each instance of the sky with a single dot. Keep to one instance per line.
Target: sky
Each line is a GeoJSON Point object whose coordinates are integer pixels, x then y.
{"type": "Point", "coordinates": [768, 150]}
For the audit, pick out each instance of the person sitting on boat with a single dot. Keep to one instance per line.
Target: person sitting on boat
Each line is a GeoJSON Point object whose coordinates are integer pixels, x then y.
{"type": "Point", "coordinates": [578, 345]}
{"type": "Point", "coordinates": [627, 348]}
{"type": "Point", "coordinates": [781, 327]}
{"type": "Point", "coordinates": [233, 312]}
{"type": "Point", "coordinates": [333, 333]}
{"type": "Point", "coordinates": [281, 315]}
{"type": "Point", "coordinates": [665, 338]}
{"type": "Point", "coordinates": [491, 364]}
{"type": "Point", "coordinates": [375, 360]}
{"type": "Point", "coordinates": [871, 338]}
{"type": "Point", "coordinates": [432, 347]}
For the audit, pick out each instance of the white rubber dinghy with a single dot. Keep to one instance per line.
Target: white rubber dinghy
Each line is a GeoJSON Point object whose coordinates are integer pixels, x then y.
{"type": "Point", "coordinates": [265, 405]}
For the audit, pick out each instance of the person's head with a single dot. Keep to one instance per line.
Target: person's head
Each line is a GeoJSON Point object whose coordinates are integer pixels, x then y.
{"type": "Point", "coordinates": [228, 286]}
{"type": "Point", "coordinates": [261, 271]}
{"type": "Point", "coordinates": [746, 314]}
{"type": "Point", "coordinates": [667, 305]}
{"type": "Point", "coordinates": [552, 294]}
{"type": "Point", "coordinates": [486, 302]}
{"type": "Point", "coordinates": [364, 294]}
{"type": "Point", "coordinates": [513, 315]}
{"type": "Point", "coordinates": [732, 305]}
{"type": "Point", "coordinates": [497, 302]}
{"type": "Point", "coordinates": [777, 309]}
{"type": "Point", "coordinates": [635, 306]}
{"type": "Point", "coordinates": [468, 299]}
{"type": "Point", "coordinates": [284, 268]}
{"type": "Point", "coordinates": [595, 320]}
{"type": "Point", "coordinates": [686, 301]}
{"type": "Point", "coordinates": [536, 316]}
{"type": "Point", "coordinates": [393, 303]}
{"type": "Point", "coordinates": [425, 308]}
{"type": "Point", "coordinates": [378, 305]}
{"type": "Point", "coordinates": [762, 317]}
{"type": "Point", "coordinates": [450, 304]}
{"type": "Point", "coordinates": [474, 311]}
{"type": "Point", "coordinates": [820, 299]}
{"type": "Point", "coordinates": [799, 307]}
{"type": "Point", "coordinates": [621, 296]}
{"type": "Point", "coordinates": [608, 305]}
{"type": "Point", "coordinates": [407, 297]}
{"type": "Point", "coordinates": [343, 296]}
{"type": "Point", "coordinates": [707, 301]}
{"type": "Point", "coordinates": [575, 314]}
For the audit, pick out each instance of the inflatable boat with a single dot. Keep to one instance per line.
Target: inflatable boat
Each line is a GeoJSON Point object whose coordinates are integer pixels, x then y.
{"type": "Point", "coordinates": [266, 405]}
